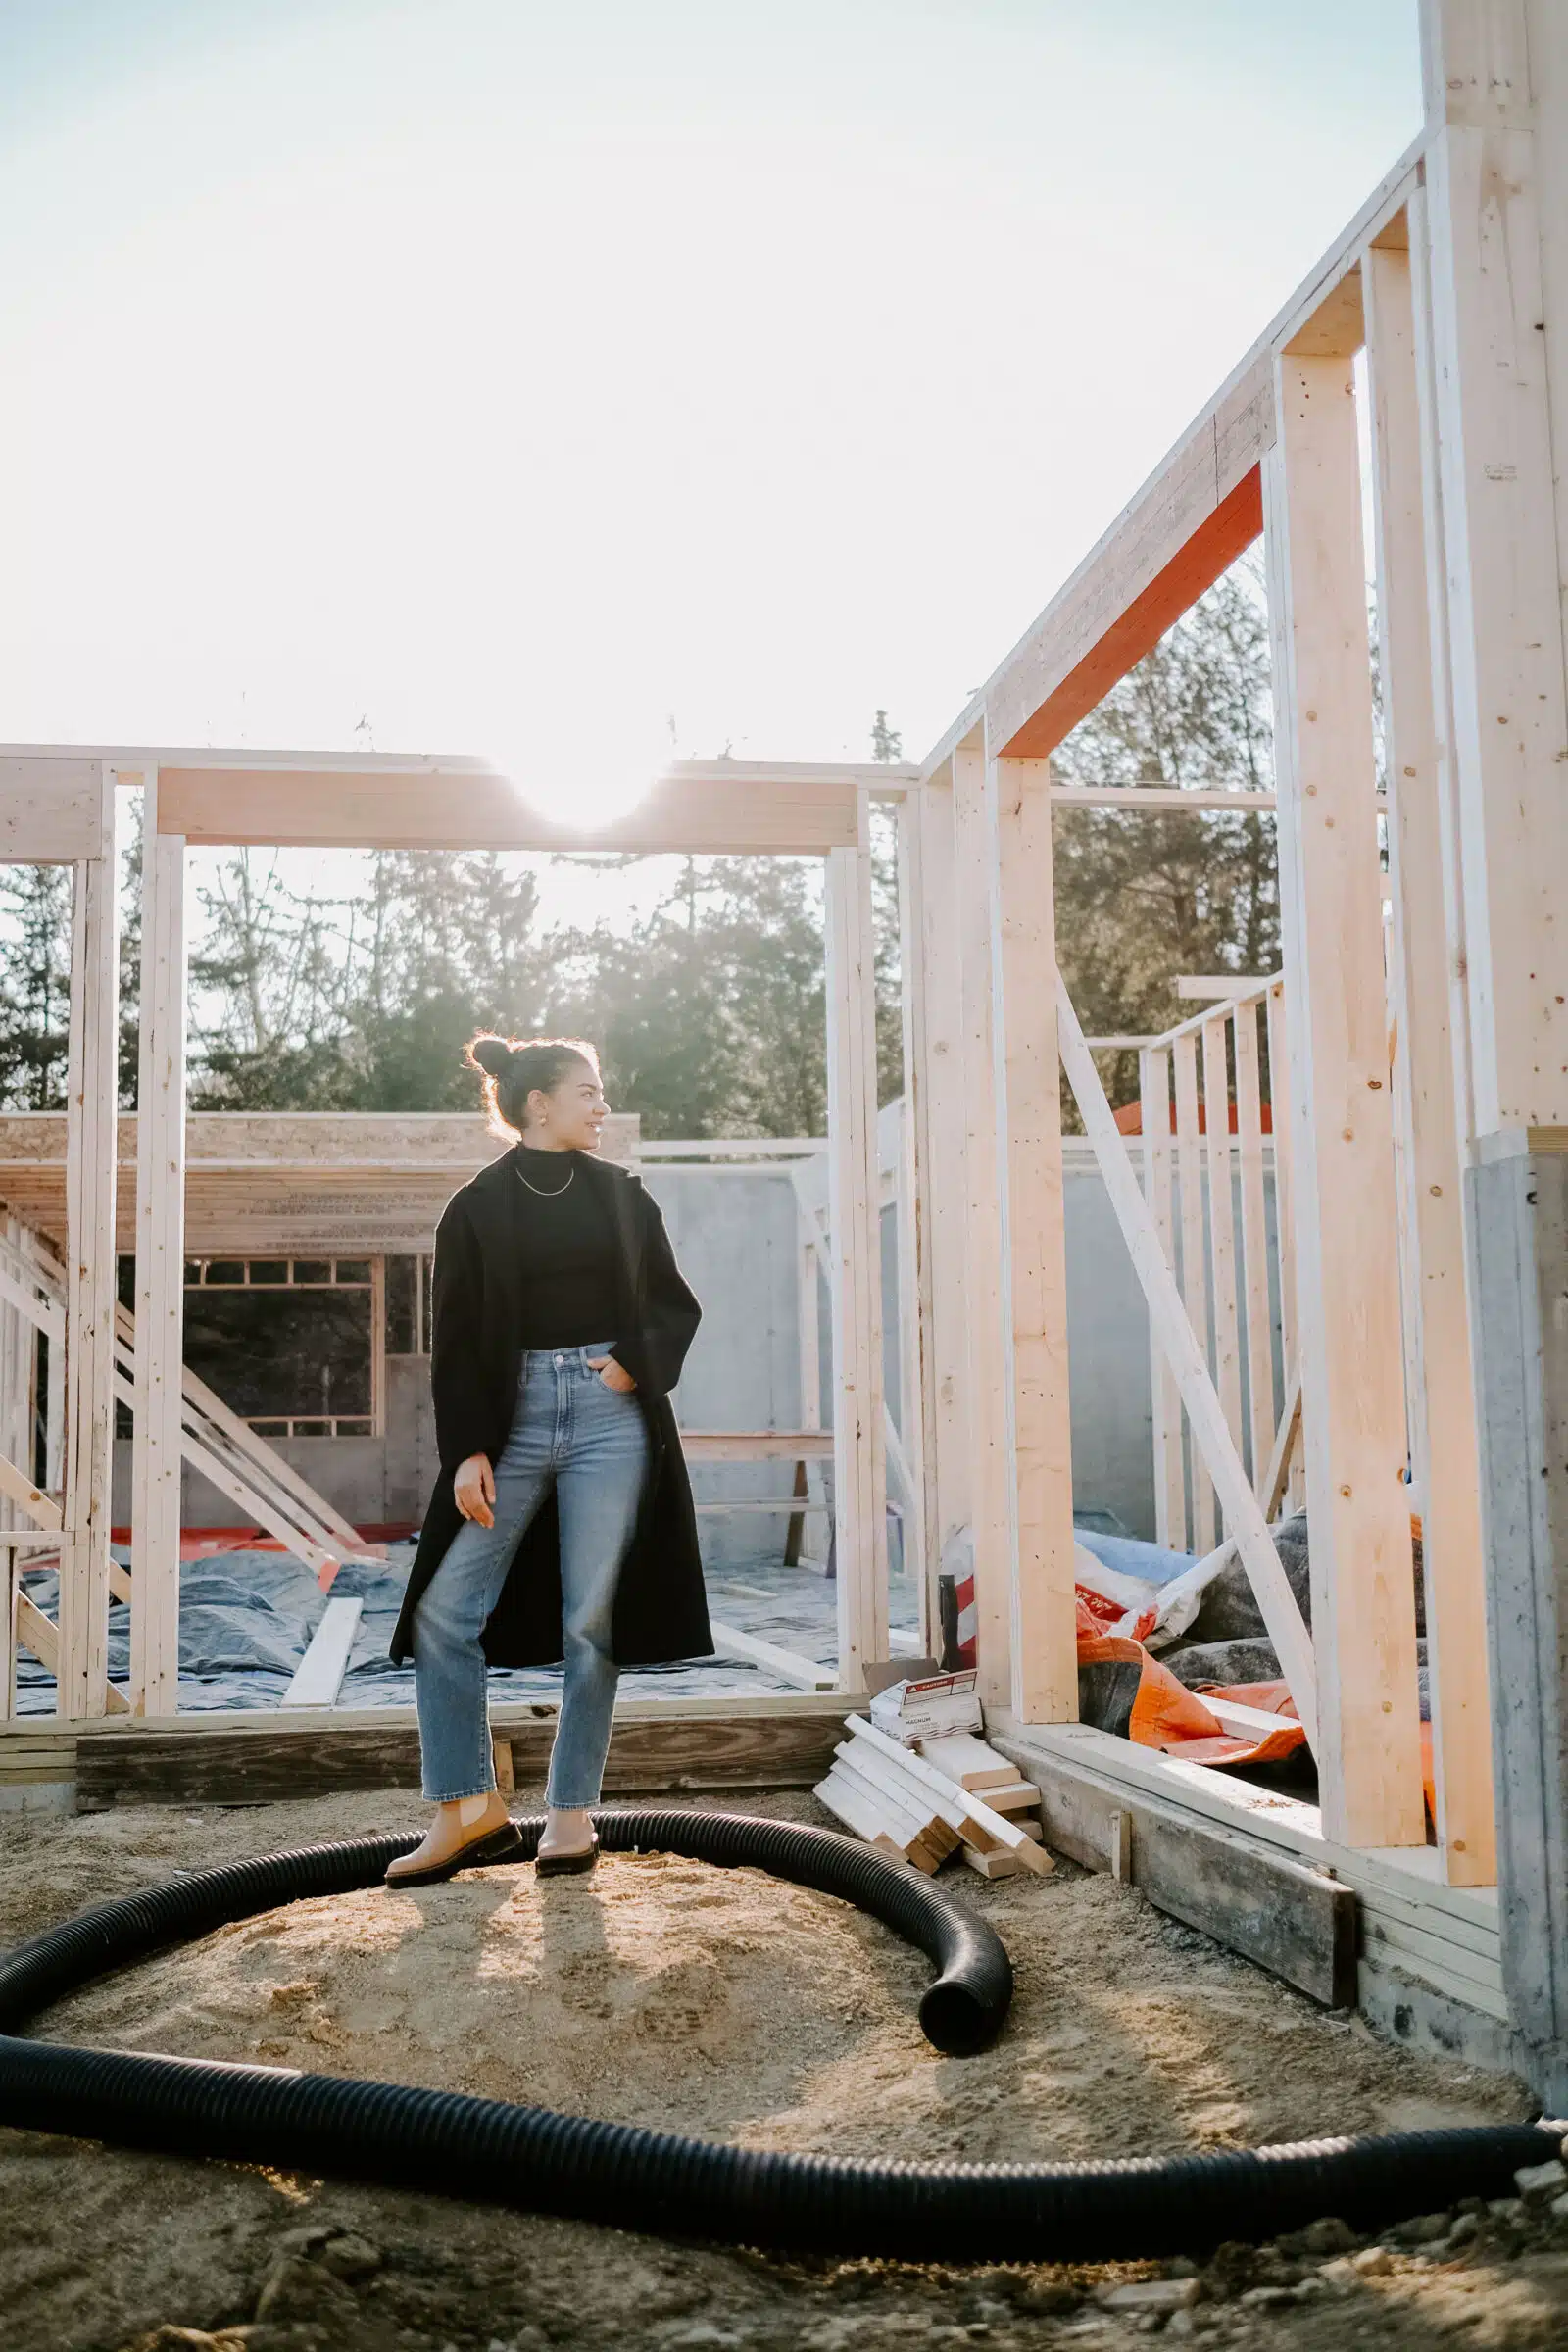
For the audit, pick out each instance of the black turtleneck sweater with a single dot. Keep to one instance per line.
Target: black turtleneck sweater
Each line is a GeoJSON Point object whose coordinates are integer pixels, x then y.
{"type": "Point", "coordinates": [568, 1253]}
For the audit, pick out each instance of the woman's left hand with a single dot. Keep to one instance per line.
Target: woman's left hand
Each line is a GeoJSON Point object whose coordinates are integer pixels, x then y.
{"type": "Point", "coordinates": [614, 1376]}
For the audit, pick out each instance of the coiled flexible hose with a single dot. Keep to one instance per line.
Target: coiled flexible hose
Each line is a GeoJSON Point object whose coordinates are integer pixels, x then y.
{"type": "Point", "coordinates": [544, 2162]}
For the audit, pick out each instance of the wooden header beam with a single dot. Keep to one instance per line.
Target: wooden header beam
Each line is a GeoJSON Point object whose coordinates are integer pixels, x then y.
{"type": "Point", "coordinates": [462, 807]}
{"type": "Point", "coordinates": [51, 810]}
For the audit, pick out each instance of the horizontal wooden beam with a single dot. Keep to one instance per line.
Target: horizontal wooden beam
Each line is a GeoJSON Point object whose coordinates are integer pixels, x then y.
{"type": "Point", "coordinates": [1204, 987]}
{"type": "Point", "coordinates": [1189, 521]}
{"type": "Point", "coordinates": [788, 1748]}
{"type": "Point", "coordinates": [1294, 1921]}
{"type": "Point", "coordinates": [463, 807]}
{"type": "Point", "coordinates": [1171, 553]}
{"type": "Point", "coordinates": [1140, 799]}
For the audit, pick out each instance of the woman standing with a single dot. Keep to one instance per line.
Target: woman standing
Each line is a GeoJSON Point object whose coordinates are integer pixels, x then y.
{"type": "Point", "coordinates": [562, 1526]}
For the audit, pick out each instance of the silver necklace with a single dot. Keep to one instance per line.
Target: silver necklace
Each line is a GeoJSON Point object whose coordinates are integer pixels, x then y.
{"type": "Point", "coordinates": [550, 1193]}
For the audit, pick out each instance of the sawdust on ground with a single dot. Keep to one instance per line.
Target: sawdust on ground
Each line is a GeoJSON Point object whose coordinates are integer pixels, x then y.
{"type": "Point", "coordinates": [721, 2003]}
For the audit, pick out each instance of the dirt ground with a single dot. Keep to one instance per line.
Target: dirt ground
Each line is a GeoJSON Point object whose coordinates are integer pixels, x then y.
{"type": "Point", "coordinates": [726, 2004]}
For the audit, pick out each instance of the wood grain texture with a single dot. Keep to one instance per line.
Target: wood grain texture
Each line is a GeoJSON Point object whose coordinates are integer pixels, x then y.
{"type": "Point", "coordinates": [1341, 1140]}
{"type": "Point", "coordinates": [1439, 1385]}
{"type": "Point", "coordinates": [256, 1767]}
{"type": "Point", "coordinates": [1285, 1917]}
{"type": "Point", "coordinates": [472, 808]}
{"type": "Point", "coordinates": [990, 1471]}
{"type": "Point", "coordinates": [51, 810]}
{"type": "Point", "coordinates": [1027, 1096]}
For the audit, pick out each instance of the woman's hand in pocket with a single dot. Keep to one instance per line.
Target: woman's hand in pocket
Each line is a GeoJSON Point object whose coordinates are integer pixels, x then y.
{"type": "Point", "coordinates": [613, 1375]}
{"type": "Point", "coordinates": [473, 1490]}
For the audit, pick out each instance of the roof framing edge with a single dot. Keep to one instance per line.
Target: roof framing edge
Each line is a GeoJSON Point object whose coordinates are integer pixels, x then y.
{"type": "Point", "coordinates": [1199, 509]}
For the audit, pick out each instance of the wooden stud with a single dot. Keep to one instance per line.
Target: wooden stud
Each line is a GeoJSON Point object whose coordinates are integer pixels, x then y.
{"type": "Point", "coordinates": [859, 1482]}
{"type": "Point", "coordinates": [942, 1123]}
{"type": "Point", "coordinates": [985, 1377]}
{"type": "Point", "coordinates": [916, 1398]}
{"type": "Point", "coordinates": [1034, 1266]}
{"type": "Point", "coordinates": [1211, 1436]}
{"type": "Point", "coordinates": [1222, 1223]}
{"type": "Point", "coordinates": [90, 1154]}
{"type": "Point", "coordinates": [1273, 1484]}
{"type": "Point", "coordinates": [378, 1346]}
{"type": "Point", "coordinates": [1171, 1480]}
{"type": "Point", "coordinates": [1195, 1278]}
{"type": "Point", "coordinates": [1502, 411]}
{"type": "Point", "coordinates": [1254, 1241]}
{"type": "Point", "coordinates": [1444, 1438]}
{"type": "Point", "coordinates": [1348, 1295]}
{"type": "Point", "coordinates": [158, 1447]}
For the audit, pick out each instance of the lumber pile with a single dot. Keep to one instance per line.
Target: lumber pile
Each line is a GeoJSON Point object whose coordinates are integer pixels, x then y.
{"type": "Point", "coordinates": [950, 1794]}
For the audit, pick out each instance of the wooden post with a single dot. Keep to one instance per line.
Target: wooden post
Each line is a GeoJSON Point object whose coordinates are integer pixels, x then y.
{"type": "Point", "coordinates": [1170, 1485]}
{"type": "Point", "coordinates": [1255, 1244]}
{"type": "Point", "coordinates": [916, 1403]}
{"type": "Point", "coordinates": [1027, 1101]}
{"type": "Point", "coordinates": [1194, 1280]}
{"type": "Point", "coordinates": [378, 1346]}
{"type": "Point", "coordinates": [1495, 396]}
{"type": "Point", "coordinates": [90, 1149]}
{"type": "Point", "coordinates": [1222, 1223]}
{"type": "Point", "coordinates": [1443, 1438]}
{"type": "Point", "coordinates": [942, 1116]}
{"type": "Point", "coordinates": [859, 1482]}
{"type": "Point", "coordinates": [991, 1518]}
{"type": "Point", "coordinates": [1348, 1292]}
{"type": "Point", "coordinates": [157, 1458]}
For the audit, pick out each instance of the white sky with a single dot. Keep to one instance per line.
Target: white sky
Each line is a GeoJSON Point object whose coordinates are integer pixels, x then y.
{"type": "Point", "coordinates": [565, 382]}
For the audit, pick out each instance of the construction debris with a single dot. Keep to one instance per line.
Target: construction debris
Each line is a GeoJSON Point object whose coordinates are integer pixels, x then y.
{"type": "Point", "coordinates": [912, 1710]}
{"type": "Point", "coordinates": [924, 1804]}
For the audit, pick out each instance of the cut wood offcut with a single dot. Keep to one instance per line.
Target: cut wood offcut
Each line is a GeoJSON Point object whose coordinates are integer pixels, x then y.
{"type": "Point", "coordinates": [906, 1804]}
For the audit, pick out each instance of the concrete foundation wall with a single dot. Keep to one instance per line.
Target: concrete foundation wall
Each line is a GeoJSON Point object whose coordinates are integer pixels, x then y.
{"type": "Point", "coordinates": [736, 1236]}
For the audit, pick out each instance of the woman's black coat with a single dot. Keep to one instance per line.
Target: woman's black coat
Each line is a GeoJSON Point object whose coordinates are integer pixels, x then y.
{"type": "Point", "coordinates": [476, 1364]}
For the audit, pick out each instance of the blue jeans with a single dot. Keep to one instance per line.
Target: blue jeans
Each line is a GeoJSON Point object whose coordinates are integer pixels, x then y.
{"type": "Point", "coordinates": [591, 1442]}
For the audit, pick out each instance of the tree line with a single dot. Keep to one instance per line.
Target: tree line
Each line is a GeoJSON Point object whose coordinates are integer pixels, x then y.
{"type": "Point", "coordinates": [709, 1005]}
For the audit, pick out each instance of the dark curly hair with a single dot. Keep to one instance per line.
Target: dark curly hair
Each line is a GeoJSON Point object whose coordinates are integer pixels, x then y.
{"type": "Point", "coordinates": [512, 1066]}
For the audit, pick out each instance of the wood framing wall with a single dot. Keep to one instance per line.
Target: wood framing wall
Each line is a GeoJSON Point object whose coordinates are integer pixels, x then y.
{"type": "Point", "coordinates": [1417, 1045]}
{"type": "Point", "coordinates": [1417, 1050]}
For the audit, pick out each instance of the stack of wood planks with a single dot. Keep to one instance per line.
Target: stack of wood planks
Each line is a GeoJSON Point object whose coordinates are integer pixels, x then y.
{"type": "Point", "coordinates": [949, 1796]}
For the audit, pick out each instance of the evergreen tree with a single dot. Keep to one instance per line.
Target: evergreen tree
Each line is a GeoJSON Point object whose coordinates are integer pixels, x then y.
{"type": "Point", "coordinates": [1142, 896]}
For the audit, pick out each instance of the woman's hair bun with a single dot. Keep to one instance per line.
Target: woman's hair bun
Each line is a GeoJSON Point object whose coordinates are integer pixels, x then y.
{"type": "Point", "coordinates": [514, 1066]}
{"type": "Point", "coordinates": [490, 1054]}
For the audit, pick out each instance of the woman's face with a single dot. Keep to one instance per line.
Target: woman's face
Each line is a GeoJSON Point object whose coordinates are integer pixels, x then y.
{"type": "Point", "coordinates": [570, 1116]}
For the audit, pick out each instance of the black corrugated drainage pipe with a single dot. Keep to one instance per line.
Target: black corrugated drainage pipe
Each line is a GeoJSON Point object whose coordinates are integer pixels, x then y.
{"type": "Point", "coordinates": [532, 2158]}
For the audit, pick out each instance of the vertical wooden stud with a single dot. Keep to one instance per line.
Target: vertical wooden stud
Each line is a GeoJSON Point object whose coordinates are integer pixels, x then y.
{"type": "Point", "coordinates": [859, 1479]}
{"type": "Point", "coordinates": [1195, 1279]}
{"type": "Point", "coordinates": [1034, 1266]}
{"type": "Point", "coordinates": [1170, 1484]}
{"type": "Point", "coordinates": [1261, 1420]}
{"type": "Point", "coordinates": [90, 1154]}
{"type": "Point", "coordinates": [1222, 1223]}
{"type": "Point", "coordinates": [987, 1373]}
{"type": "Point", "coordinates": [1443, 1437]}
{"type": "Point", "coordinates": [916, 1402]}
{"type": "Point", "coordinates": [378, 1346]}
{"type": "Point", "coordinates": [1348, 1295]}
{"type": "Point", "coordinates": [156, 1459]}
{"type": "Point", "coordinates": [942, 1199]}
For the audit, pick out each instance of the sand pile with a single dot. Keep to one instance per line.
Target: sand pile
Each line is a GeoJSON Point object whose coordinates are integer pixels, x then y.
{"type": "Point", "coordinates": [659, 1991]}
